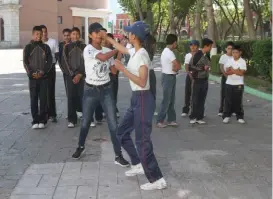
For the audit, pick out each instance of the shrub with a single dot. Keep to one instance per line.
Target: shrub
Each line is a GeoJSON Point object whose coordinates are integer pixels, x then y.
{"type": "Point", "coordinates": [215, 68]}
{"type": "Point", "coordinates": [160, 46]}
{"type": "Point", "coordinates": [183, 46]}
{"type": "Point", "coordinates": [262, 58]}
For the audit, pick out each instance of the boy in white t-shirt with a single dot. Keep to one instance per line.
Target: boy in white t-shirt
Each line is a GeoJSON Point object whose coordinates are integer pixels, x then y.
{"type": "Point", "coordinates": [170, 67]}
{"type": "Point", "coordinates": [235, 69]}
{"type": "Point", "coordinates": [194, 45]}
{"type": "Point", "coordinates": [223, 60]}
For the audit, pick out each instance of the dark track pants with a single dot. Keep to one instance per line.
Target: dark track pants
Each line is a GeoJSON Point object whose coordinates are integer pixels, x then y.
{"type": "Point", "coordinates": [38, 93]}
{"type": "Point", "coordinates": [233, 101]}
{"type": "Point", "coordinates": [139, 117]}
{"type": "Point", "coordinates": [51, 92]}
{"type": "Point", "coordinates": [74, 98]}
{"type": "Point", "coordinates": [188, 90]}
{"type": "Point", "coordinates": [223, 90]}
{"type": "Point", "coordinates": [199, 94]}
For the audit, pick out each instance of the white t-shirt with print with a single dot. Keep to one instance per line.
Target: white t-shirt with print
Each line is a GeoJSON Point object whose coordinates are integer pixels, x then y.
{"type": "Point", "coordinates": [235, 79]}
{"type": "Point", "coordinates": [167, 57]}
{"type": "Point", "coordinates": [224, 59]}
{"type": "Point", "coordinates": [54, 47]}
{"type": "Point", "coordinates": [188, 58]}
{"type": "Point", "coordinates": [138, 59]}
{"type": "Point", "coordinates": [97, 72]}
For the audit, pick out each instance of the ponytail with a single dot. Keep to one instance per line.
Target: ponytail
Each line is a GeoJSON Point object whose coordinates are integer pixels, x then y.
{"type": "Point", "coordinates": [149, 45]}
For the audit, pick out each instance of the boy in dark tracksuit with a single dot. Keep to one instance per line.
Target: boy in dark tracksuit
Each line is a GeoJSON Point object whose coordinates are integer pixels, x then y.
{"type": "Point", "coordinates": [74, 63]}
{"type": "Point", "coordinates": [199, 65]}
{"type": "Point", "coordinates": [66, 40]}
{"type": "Point", "coordinates": [37, 60]}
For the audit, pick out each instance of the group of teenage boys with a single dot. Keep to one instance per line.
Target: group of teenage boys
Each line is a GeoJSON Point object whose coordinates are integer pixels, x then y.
{"type": "Point", "coordinates": [197, 66]}
{"type": "Point", "coordinates": [40, 57]}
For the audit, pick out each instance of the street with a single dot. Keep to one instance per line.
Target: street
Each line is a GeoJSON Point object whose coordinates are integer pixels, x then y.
{"type": "Point", "coordinates": [213, 161]}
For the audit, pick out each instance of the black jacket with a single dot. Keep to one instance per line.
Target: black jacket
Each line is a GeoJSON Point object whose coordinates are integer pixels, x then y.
{"type": "Point", "coordinates": [73, 63]}
{"type": "Point", "coordinates": [37, 57]}
{"type": "Point", "coordinates": [197, 65]}
{"type": "Point", "coordinates": [61, 58]}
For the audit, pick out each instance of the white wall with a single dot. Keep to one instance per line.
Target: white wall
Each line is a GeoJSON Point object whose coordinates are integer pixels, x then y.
{"type": "Point", "coordinates": [11, 61]}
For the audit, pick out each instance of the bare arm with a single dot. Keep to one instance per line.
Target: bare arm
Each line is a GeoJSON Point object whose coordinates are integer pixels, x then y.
{"type": "Point", "coordinates": [239, 72]}
{"type": "Point", "coordinates": [222, 69]}
{"type": "Point", "coordinates": [118, 46]}
{"type": "Point", "coordinates": [176, 65]}
{"type": "Point", "coordinates": [105, 56]}
{"type": "Point", "coordinates": [143, 76]}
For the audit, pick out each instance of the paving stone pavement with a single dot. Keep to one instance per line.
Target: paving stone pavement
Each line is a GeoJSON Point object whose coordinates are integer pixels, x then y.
{"type": "Point", "coordinates": [213, 161]}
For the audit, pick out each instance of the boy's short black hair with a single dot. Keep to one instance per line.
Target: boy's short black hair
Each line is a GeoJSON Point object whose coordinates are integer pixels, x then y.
{"type": "Point", "coordinates": [237, 47]}
{"type": "Point", "coordinates": [206, 42]}
{"type": "Point", "coordinates": [43, 27]}
{"type": "Point", "coordinates": [36, 28]}
{"type": "Point", "coordinates": [76, 29]}
{"type": "Point", "coordinates": [171, 38]}
{"type": "Point", "coordinates": [66, 30]}
{"type": "Point", "coordinates": [110, 35]}
{"type": "Point", "coordinates": [230, 43]}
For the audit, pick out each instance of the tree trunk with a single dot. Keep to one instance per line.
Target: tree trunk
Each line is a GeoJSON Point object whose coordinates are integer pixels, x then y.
{"type": "Point", "coordinates": [197, 20]}
{"type": "Point", "coordinates": [171, 15]}
{"type": "Point", "coordinates": [150, 18]}
{"type": "Point", "coordinates": [139, 10]}
{"type": "Point", "coordinates": [249, 20]}
{"type": "Point", "coordinates": [211, 25]}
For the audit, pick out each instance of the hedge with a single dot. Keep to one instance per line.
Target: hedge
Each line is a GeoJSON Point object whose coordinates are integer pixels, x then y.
{"type": "Point", "coordinates": [257, 53]}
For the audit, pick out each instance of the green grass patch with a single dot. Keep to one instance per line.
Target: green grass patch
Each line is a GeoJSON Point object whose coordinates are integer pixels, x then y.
{"type": "Point", "coordinates": [256, 83]}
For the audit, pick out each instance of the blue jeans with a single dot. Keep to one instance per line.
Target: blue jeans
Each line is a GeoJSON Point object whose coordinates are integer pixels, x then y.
{"type": "Point", "coordinates": [93, 96]}
{"type": "Point", "coordinates": [167, 106]}
{"type": "Point", "coordinates": [139, 117]}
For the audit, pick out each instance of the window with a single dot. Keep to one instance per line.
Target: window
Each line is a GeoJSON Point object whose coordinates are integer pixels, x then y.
{"type": "Point", "coordinates": [60, 19]}
{"type": "Point", "coordinates": [120, 24]}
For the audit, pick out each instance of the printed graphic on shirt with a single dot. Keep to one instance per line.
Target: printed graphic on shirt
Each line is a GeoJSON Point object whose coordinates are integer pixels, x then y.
{"type": "Point", "coordinates": [101, 69]}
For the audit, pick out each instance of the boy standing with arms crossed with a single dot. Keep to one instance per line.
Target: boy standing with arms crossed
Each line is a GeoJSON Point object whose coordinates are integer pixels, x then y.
{"type": "Point", "coordinates": [74, 64]}
{"type": "Point", "coordinates": [235, 69]}
{"type": "Point", "coordinates": [37, 61]}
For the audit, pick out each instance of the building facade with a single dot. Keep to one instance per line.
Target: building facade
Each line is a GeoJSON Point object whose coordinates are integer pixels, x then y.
{"type": "Point", "coordinates": [17, 18]}
{"type": "Point", "coordinates": [121, 21]}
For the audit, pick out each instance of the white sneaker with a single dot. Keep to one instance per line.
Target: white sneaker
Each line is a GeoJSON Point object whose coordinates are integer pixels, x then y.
{"type": "Point", "coordinates": [155, 113]}
{"type": "Point", "coordinates": [201, 122]}
{"type": "Point", "coordinates": [184, 115]}
{"type": "Point", "coordinates": [118, 115]}
{"type": "Point", "coordinates": [79, 115]}
{"type": "Point", "coordinates": [35, 126]}
{"type": "Point", "coordinates": [70, 125]}
{"type": "Point", "coordinates": [226, 120]}
{"type": "Point", "coordinates": [241, 121]}
{"type": "Point", "coordinates": [157, 185]}
{"type": "Point", "coordinates": [135, 170]}
{"type": "Point", "coordinates": [93, 124]}
{"type": "Point", "coordinates": [41, 126]}
{"type": "Point", "coordinates": [193, 121]}
{"type": "Point", "coordinates": [220, 114]}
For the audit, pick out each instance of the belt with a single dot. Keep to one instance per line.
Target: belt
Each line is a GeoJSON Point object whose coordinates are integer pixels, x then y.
{"type": "Point", "coordinates": [98, 86]}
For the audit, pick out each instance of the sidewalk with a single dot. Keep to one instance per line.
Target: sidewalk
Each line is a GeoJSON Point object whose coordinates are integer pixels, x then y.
{"type": "Point", "coordinates": [213, 161]}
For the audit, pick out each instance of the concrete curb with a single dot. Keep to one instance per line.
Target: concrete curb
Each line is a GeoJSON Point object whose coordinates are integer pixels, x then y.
{"type": "Point", "coordinates": [248, 89]}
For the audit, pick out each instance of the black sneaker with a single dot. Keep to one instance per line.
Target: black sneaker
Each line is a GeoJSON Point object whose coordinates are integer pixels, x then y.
{"type": "Point", "coordinates": [79, 151]}
{"type": "Point", "coordinates": [121, 161]}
